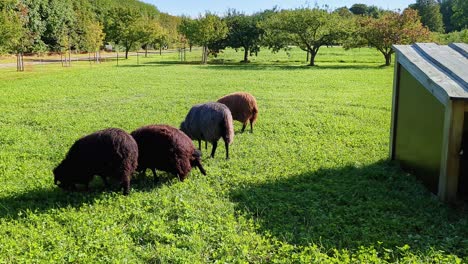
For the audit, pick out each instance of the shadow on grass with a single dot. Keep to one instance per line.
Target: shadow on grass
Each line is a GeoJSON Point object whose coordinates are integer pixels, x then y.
{"type": "Point", "coordinates": [42, 200]}
{"type": "Point", "coordinates": [261, 66]}
{"type": "Point", "coordinates": [350, 207]}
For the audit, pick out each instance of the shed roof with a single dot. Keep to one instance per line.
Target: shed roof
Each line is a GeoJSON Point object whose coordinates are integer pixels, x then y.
{"type": "Point", "coordinates": [443, 70]}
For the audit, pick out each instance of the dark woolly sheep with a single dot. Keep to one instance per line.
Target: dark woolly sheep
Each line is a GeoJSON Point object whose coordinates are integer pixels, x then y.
{"type": "Point", "coordinates": [168, 149]}
{"type": "Point", "coordinates": [110, 153]}
{"type": "Point", "coordinates": [243, 107]}
{"type": "Point", "coordinates": [209, 122]}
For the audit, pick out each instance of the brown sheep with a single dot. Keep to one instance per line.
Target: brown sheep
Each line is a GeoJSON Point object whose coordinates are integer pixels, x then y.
{"type": "Point", "coordinates": [109, 153]}
{"type": "Point", "coordinates": [168, 149]}
{"type": "Point", "coordinates": [243, 107]}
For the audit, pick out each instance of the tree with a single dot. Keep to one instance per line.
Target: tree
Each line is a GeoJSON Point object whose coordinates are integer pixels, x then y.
{"type": "Point", "coordinates": [206, 31]}
{"type": "Point", "coordinates": [170, 25]}
{"type": "Point", "coordinates": [11, 31]}
{"type": "Point", "coordinates": [309, 29]}
{"type": "Point", "coordinates": [92, 38]}
{"type": "Point", "coordinates": [374, 11]}
{"type": "Point", "coordinates": [210, 30]}
{"type": "Point", "coordinates": [460, 14]}
{"type": "Point", "coordinates": [429, 10]}
{"type": "Point", "coordinates": [358, 9]}
{"type": "Point", "coordinates": [244, 32]}
{"type": "Point", "coordinates": [125, 27]}
{"type": "Point", "coordinates": [343, 12]}
{"type": "Point", "coordinates": [447, 12]}
{"type": "Point", "coordinates": [152, 33]}
{"type": "Point", "coordinates": [188, 28]}
{"type": "Point", "coordinates": [391, 28]}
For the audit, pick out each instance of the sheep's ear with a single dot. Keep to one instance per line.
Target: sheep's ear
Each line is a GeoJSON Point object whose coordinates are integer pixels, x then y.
{"type": "Point", "coordinates": [197, 153]}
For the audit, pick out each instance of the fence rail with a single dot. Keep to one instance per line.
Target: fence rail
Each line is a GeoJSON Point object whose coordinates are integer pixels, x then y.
{"type": "Point", "coordinates": [66, 59]}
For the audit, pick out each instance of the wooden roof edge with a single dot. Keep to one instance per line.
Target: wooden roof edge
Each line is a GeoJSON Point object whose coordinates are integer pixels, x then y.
{"type": "Point", "coordinates": [437, 82]}
{"type": "Point", "coordinates": [461, 48]}
{"type": "Point", "coordinates": [420, 75]}
{"type": "Point", "coordinates": [430, 52]}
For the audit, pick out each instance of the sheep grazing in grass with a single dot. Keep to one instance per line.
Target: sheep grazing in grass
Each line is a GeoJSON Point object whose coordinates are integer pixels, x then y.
{"type": "Point", "coordinates": [110, 153]}
{"type": "Point", "coordinates": [209, 122]}
{"type": "Point", "coordinates": [168, 149]}
{"type": "Point", "coordinates": [243, 107]}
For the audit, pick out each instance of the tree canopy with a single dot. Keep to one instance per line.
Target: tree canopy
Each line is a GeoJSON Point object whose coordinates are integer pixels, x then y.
{"type": "Point", "coordinates": [207, 31]}
{"type": "Point", "coordinates": [392, 28]}
{"type": "Point", "coordinates": [244, 32]}
{"type": "Point", "coordinates": [431, 17]}
{"type": "Point", "coordinates": [309, 29]}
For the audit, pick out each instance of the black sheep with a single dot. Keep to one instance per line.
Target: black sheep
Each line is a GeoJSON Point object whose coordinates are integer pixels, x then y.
{"type": "Point", "coordinates": [168, 149]}
{"type": "Point", "coordinates": [109, 153]}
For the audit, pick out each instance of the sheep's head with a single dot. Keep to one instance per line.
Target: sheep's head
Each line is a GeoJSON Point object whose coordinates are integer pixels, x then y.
{"type": "Point", "coordinates": [183, 127]}
{"type": "Point", "coordinates": [60, 173]}
{"type": "Point", "coordinates": [196, 161]}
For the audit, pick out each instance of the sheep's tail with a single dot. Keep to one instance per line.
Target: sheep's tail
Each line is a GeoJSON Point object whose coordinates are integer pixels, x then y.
{"type": "Point", "coordinates": [228, 128]}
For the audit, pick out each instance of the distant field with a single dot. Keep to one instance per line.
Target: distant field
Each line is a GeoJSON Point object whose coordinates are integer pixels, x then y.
{"type": "Point", "coordinates": [312, 184]}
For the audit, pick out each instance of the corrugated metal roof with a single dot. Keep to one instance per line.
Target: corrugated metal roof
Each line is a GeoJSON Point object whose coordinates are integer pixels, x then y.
{"type": "Point", "coordinates": [443, 70]}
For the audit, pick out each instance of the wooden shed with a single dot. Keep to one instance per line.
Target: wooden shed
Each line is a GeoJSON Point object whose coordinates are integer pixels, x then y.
{"type": "Point", "coordinates": [429, 127]}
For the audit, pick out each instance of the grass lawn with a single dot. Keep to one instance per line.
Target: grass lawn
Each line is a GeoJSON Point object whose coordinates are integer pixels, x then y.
{"type": "Point", "coordinates": [312, 184]}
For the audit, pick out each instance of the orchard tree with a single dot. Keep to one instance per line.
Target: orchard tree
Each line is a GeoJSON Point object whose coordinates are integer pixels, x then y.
{"type": "Point", "coordinates": [188, 29]}
{"type": "Point", "coordinates": [126, 28]}
{"type": "Point", "coordinates": [152, 33]}
{"type": "Point", "coordinates": [210, 30]}
{"type": "Point", "coordinates": [170, 25]}
{"type": "Point", "coordinates": [392, 28]}
{"type": "Point", "coordinates": [11, 31]}
{"type": "Point", "coordinates": [309, 29]}
{"type": "Point", "coordinates": [206, 31]}
{"type": "Point", "coordinates": [431, 17]}
{"type": "Point", "coordinates": [244, 32]}
{"type": "Point", "coordinates": [92, 38]}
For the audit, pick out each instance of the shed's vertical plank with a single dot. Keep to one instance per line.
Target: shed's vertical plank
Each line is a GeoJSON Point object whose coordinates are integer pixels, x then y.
{"type": "Point", "coordinates": [396, 91]}
{"type": "Point", "coordinates": [450, 161]}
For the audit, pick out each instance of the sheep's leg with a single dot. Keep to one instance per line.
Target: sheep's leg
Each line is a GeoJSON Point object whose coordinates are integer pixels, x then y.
{"type": "Point", "coordinates": [202, 170]}
{"type": "Point", "coordinates": [251, 126]}
{"type": "Point", "coordinates": [215, 144]}
{"type": "Point", "coordinates": [243, 126]}
{"type": "Point", "coordinates": [155, 178]}
{"type": "Point", "coordinates": [106, 183]}
{"type": "Point", "coordinates": [126, 186]}
{"type": "Point", "coordinates": [226, 144]}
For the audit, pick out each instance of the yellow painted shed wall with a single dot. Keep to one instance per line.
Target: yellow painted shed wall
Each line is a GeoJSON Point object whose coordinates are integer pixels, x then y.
{"type": "Point", "coordinates": [419, 130]}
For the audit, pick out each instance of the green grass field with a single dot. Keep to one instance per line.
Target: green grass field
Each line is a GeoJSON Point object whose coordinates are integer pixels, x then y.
{"type": "Point", "coordinates": [312, 184]}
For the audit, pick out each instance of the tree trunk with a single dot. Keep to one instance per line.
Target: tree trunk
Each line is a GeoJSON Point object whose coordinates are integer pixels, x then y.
{"type": "Point", "coordinates": [146, 51]}
{"type": "Point", "coordinates": [205, 55]}
{"type": "Point", "coordinates": [126, 53]}
{"type": "Point", "coordinates": [388, 59]}
{"type": "Point", "coordinates": [307, 59]}
{"type": "Point", "coordinates": [19, 62]}
{"type": "Point", "coordinates": [246, 55]}
{"type": "Point", "coordinates": [312, 58]}
{"type": "Point", "coordinates": [190, 47]}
